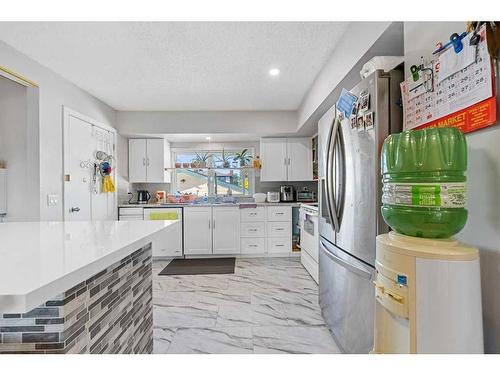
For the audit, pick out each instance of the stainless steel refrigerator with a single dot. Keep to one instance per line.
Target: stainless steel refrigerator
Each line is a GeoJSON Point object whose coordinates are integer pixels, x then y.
{"type": "Point", "coordinates": [350, 217]}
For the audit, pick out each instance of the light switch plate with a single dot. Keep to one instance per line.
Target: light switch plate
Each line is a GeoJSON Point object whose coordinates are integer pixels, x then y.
{"type": "Point", "coordinates": [52, 199]}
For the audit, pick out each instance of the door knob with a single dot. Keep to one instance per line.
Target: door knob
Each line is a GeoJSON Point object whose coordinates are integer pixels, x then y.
{"type": "Point", "coordinates": [74, 209]}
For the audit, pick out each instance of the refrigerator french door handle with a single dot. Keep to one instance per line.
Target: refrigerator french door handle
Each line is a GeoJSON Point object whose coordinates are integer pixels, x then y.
{"type": "Point", "coordinates": [329, 173]}
{"type": "Point", "coordinates": [363, 272]}
{"type": "Point", "coordinates": [327, 178]}
{"type": "Point", "coordinates": [342, 182]}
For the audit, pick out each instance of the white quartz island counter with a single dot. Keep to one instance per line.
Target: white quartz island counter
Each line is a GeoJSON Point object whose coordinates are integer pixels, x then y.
{"type": "Point", "coordinates": [39, 260]}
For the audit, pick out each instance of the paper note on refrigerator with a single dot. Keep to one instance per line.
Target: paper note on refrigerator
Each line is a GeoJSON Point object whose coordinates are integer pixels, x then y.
{"type": "Point", "coordinates": [346, 102]}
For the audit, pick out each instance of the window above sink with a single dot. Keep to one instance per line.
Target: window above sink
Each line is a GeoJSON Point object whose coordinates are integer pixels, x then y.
{"type": "Point", "coordinates": [213, 172]}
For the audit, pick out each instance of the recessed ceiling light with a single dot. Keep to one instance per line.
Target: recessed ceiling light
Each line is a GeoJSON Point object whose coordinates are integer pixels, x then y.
{"type": "Point", "coordinates": [208, 138]}
{"type": "Point", "coordinates": [274, 72]}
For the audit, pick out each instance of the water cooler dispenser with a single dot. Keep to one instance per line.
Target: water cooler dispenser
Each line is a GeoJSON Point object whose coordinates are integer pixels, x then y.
{"type": "Point", "coordinates": [428, 296]}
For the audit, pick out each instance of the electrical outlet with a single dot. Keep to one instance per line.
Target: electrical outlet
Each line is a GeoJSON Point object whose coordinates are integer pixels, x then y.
{"type": "Point", "coordinates": [52, 199]}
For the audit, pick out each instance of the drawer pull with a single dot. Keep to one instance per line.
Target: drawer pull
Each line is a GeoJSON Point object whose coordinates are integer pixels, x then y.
{"type": "Point", "coordinates": [253, 245]}
{"type": "Point", "coordinates": [279, 213]}
{"type": "Point", "coordinates": [252, 230]}
{"type": "Point", "coordinates": [279, 245]}
{"type": "Point", "coordinates": [279, 229]}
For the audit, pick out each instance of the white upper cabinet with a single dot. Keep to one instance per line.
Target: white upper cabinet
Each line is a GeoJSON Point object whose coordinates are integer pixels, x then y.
{"type": "Point", "coordinates": [226, 230]}
{"type": "Point", "coordinates": [286, 159]}
{"type": "Point", "coordinates": [274, 159]}
{"type": "Point", "coordinates": [299, 159]}
{"type": "Point", "coordinates": [147, 160]}
{"type": "Point", "coordinates": [137, 160]}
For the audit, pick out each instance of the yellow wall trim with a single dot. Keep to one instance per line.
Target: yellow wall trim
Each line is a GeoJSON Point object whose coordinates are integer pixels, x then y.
{"type": "Point", "coordinates": [19, 77]}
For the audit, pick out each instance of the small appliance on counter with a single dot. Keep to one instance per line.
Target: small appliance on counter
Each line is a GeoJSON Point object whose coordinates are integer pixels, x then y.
{"type": "Point", "coordinates": [273, 197]}
{"type": "Point", "coordinates": [143, 196]}
{"type": "Point", "coordinates": [286, 193]}
{"type": "Point", "coordinates": [161, 196]}
{"type": "Point", "coordinates": [305, 196]}
{"type": "Point", "coordinates": [259, 197]}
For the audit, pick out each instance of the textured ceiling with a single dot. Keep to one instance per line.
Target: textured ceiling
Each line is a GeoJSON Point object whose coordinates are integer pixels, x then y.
{"type": "Point", "coordinates": [182, 65]}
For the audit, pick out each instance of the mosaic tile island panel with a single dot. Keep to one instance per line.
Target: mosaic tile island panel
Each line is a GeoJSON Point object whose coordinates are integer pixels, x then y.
{"type": "Point", "coordinates": [111, 312]}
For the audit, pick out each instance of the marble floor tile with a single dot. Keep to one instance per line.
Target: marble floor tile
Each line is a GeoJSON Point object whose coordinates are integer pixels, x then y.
{"type": "Point", "coordinates": [162, 337]}
{"type": "Point", "coordinates": [293, 340]}
{"type": "Point", "coordinates": [285, 296]}
{"type": "Point", "coordinates": [222, 340]}
{"type": "Point", "coordinates": [185, 316]}
{"type": "Point", "coordinates": [173, 298]}
{"type": "Point", "coordinates": [269, 305]}
{"type": "Point", "coordinates": [222, 297]}
{"type": "Point", "coordinates": [250, 315]}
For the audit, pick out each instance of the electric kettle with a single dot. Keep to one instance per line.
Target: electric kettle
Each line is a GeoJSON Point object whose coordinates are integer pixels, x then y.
{"type": "Point", "coordinates": [143, 196]}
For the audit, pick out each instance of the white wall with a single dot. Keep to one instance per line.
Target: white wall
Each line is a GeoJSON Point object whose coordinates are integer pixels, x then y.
{"type": "Point", "coordinates": [356, 41]}
{"type": "Point", "coordinates": [13, 151]}
{"type": "Point", "coordinates": [483, 183]}
{"type": "Point", "coordinates": [54, 92]}
{"type": "Point", "coordinates": [245, 122]}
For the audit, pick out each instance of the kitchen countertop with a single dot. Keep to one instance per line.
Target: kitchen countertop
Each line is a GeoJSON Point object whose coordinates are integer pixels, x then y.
{"type": "Point", "coordinates": [157, 205]}
{"type": "Point", "coordinates": [39, 260]}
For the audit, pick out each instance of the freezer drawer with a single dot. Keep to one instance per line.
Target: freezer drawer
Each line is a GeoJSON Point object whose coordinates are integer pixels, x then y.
{"type": "Point", "coordinates": [347, 298]}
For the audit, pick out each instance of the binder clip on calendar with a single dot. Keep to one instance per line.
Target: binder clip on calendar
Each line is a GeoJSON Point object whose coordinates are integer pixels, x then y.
{"type": "Point", "coordinates": [455, 41]}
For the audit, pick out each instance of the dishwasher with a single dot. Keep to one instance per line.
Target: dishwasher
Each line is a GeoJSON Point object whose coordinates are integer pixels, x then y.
{"type": "Point", "coordinates": [169, 244]}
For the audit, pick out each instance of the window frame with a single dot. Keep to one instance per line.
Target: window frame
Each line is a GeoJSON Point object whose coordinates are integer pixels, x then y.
{"type": "Point", "coordinates": [205, 148]}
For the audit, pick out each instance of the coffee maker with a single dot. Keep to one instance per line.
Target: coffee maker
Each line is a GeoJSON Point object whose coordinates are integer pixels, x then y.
{"type": "Point", "coordinates": [286, 193]}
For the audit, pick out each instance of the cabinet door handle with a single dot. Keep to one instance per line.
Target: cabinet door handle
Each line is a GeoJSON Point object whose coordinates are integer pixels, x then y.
{"type": "Point", "coordinates": [144, 162]}
{"type": "Point", "coordinates": [208, 223]}
{"type": "Point", "coordinates": [214, 223]}
{"type": "Point", "coordinates": [147, 162]}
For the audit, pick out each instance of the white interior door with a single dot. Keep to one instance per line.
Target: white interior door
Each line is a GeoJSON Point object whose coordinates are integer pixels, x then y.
{"type": "Point", "coordinates": [226, 230]}
{"type": "Point", "coordinates": [77, 194]}
{"type": "Point", "coordinates": [299, 159]}
{"type": "Point", "coordinates": [83, 198]}
{"type": "Point", "coordinates": [197, 230]}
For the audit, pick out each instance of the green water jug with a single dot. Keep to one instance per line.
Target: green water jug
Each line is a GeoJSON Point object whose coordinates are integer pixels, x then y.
{"type": "Point", "coordinates": [423, 174]}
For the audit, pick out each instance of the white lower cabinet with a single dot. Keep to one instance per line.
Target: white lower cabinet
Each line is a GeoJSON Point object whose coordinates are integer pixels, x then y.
{"type": "Point", "coordinates": [198, 230]}
{"type": "Point", "coordinates": [226, 230]}
{"type": "Point", "coordinates": [253, 245]}
{"type": "Point", "coordinates": [279, 229]}
{"type": "Point", "coordinates": [210, 230]}
{"type": "Point", "coordinates": [253, 229]}
{"type": "Point", "coordinates": [279, 245]}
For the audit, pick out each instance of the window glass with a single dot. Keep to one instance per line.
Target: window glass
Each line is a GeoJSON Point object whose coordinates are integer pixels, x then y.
{"type": "Point", "coordinates": [213, 172]}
